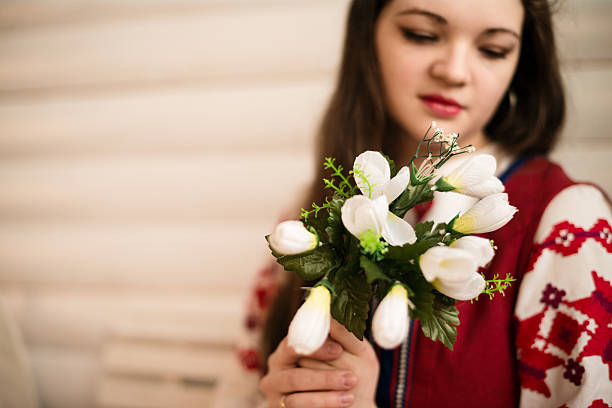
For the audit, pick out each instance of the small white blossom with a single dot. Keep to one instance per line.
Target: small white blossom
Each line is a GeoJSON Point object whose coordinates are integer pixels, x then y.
{"type": "Point", "coordinates": [480, 248]}
{"type": "Point", "coordinates": [452, 271]}
{"type": "Point", "coordinates": [372, 175]}
{"type": "Point", "coordinates": [310, 325]}
{"type": "Point", "coordinates": [475, 177]}
{"type": "Point", "coordinates": [291, 237]}
{"type": "Point", "coordinates": [488, 214]}
{"type": "Point", "coordinates": [390, 323]}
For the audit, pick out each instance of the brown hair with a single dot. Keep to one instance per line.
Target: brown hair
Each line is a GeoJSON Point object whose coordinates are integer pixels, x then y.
{"type": "Point", "coordinates": [357, 120]}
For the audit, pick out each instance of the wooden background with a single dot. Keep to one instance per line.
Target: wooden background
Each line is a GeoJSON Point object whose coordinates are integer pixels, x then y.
{"type": "Point", "coordinates": [146, 147]}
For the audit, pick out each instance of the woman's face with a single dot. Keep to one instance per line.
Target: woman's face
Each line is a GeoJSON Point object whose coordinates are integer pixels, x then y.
{"type": "Point", "coordinates": [447, 61]}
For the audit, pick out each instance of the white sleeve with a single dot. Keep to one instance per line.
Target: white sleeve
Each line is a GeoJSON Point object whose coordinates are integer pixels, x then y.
{"type": "Point", "coordinates": [564, 305]}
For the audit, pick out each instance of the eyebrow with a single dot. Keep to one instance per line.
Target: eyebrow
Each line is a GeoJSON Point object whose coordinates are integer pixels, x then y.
{"type": "Point", "coordinates": [441, 20]}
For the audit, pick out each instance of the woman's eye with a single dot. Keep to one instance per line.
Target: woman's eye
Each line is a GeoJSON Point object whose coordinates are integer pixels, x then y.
{"type": "Point", "coordinates": [418, 37]}
{"type": "Point", "coordinates": [494, 53]}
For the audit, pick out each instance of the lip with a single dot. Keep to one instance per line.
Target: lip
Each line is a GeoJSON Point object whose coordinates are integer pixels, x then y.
{"type": "Point", "coordinates": [441, 106]}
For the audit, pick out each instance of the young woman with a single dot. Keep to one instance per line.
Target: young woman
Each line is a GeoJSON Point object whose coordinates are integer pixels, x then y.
{"type": "Point", "coordinates": [487, 70]}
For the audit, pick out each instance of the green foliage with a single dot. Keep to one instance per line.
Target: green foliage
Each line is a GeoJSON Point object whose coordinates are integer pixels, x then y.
{"type": "Point", "coordinates": [443, 185]}
{"type": "Point", "coordinates": [496, 285]}
{"type": "Point", "coordinates": [442, 324]}
{"type": "Point", "coordinates": [344, 188]}
{"type": "Point", "coordinates": [372, 245]}
{"type": "Point", "coordinates": [372, 270]}
{"type": "Point", "coordinates": [423, 228]}
{"type": "Point", "coordinates": [351, 304]}
{"type": "Point", "coordinates": [310, 265]}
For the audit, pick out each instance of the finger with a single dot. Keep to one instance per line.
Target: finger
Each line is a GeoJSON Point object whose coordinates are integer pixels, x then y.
{"type": "Point", "coordinates": [314, 364]}
{"type": "Point", "coordinates": [306, 379]}
{"type": "Point", "coordinates": [346, 339]}
{"type": "Point", "coordinates": [327, 399]}
{"type": "Point", "coordinates": [285, 357]}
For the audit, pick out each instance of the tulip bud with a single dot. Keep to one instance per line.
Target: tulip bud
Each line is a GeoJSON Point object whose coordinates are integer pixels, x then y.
{"type": "Point", "coordinates": [360, 214]}
{"type": "Point", "coordinates": [310, 325]}
{"type": "Point", "coordinates": [480, 248]}
{"type": "Point", "coordinates": [488, 214]}
{"type": "Point", "coordinates": [390, 323]}
{"type": "Point", "coordinates": [475, 177]}
{"type": "Point", "coordinates": [452, 271]}
{"type": "Point", "coordinates": [291, 238]}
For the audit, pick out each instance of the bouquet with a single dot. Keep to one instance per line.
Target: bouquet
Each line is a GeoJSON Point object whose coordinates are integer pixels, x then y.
{"type": "Point", "coordinates": [359, 250]}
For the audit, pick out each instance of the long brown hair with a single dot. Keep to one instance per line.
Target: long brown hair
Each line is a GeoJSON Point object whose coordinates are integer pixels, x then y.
{"type": "Point", "coordinates": [356, 118]}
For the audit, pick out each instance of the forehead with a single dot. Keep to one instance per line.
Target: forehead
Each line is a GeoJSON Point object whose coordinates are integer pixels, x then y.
{"type": "Point", "coordinates": [475, 14]}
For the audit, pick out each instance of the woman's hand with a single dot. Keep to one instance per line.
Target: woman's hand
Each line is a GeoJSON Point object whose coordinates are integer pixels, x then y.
{"type": "Point", "coordinates": [358, 357]}
{"type": "Point", "coordinates": [308, 387]}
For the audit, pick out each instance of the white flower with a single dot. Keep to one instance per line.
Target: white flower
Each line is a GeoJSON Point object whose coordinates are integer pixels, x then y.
{"type": "Point", "coordinates": [310, 325]}
{"type": "Point", "coordinates": [475, 177]}
{"type": "Point", "coordinates": [292, 237]}
{"type": "Point", "coordinates": [452, 271]}
{"type": "Point", "coordinates": [360, 214]}
{"type": "Point", "coordinates": [373, 176]}
{"type": "Point", "coordinates": [488, 214]}
{"type": "Point", "coordinates": [480, 248]}
{"type": "Point", "coordinates": [390, 323]}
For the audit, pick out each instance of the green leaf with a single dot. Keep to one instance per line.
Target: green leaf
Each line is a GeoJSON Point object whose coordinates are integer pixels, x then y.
{"type": "Point", "coordinates": [443, 185]}
{"type": "Point", "coordinates": [372, 270]}
{"type": "Point", "coordinates": [351, 304]}
{"type": "Point", "coordinates": [442, 325]}
{"type": "Point", "coordinates": [423, 228]}
{"type": "Point", "coordinates": [335, 229]}
{"type": "Point", "coordinates": [310, 265]}
{"type": "Point", "coordinates": [409, 252]}
{"type": "Point", "coordinates": [392, 165]}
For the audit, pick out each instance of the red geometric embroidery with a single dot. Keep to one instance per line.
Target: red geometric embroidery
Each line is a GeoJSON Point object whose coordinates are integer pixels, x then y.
{"type": "Point", "coordinates": [600, 403]}
{"type": "Point", "coordinates": [249, 359]}
{"type": "Point", "coordinates": [565, 332]}
{"type": "Point", "coordinates": [566, 239]}
{"type": "Point", "coordinates": [603, 233]}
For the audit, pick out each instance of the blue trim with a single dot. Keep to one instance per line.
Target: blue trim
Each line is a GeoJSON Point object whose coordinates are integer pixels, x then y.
{"type": "Point", "coordinates": [514, 166]}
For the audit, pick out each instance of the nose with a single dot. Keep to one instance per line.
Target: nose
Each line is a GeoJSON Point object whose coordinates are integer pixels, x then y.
{"type": "Point", "coordinates": [452, 66]}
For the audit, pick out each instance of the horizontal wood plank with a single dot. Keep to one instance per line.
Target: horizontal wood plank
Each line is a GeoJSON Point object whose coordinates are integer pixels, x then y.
{"type": "Point", "coordinates": [170, 362]}
{"type": "Point", "coordinates": [210, 44]}
{"type": "Point", "coordinates": [182, 120]}
{"type": "Point", "coordinates": [248, 187]}
{"type": "Point", "coordinates": [86, 319]}
{"type": "Point", "coordinates": [125, 392]}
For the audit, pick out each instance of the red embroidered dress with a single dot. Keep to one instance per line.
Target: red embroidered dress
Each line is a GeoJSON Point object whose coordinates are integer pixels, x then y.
{"type": "Point", "coordinates": [547, 342]}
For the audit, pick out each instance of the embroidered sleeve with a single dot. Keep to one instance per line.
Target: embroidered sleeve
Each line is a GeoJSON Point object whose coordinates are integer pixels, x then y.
{"type": "Point", "coordinates": [240, 386]}
{"type": "Point", "coordinates": [564, 306]}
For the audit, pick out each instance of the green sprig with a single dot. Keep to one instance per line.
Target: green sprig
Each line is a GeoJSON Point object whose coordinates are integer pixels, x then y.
{"type": "Point", "coordinates": [496, 285]}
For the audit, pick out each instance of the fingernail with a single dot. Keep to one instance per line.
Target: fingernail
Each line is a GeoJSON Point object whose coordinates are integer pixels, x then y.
{"type": "Point", "coordinates": [346, 399]}
{"type": "Point", "coordinates": [333, 348]}
{"type": "Point", "coordinates": [350, 379]}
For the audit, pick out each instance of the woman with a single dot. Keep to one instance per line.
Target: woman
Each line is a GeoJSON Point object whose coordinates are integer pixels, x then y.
{"type": "Point", "coordinates": [488, 71]}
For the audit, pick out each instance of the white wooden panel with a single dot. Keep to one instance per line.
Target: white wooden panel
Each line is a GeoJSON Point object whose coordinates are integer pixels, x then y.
{"type": "Point", "coordinates": [220, 43]}
{"type": "Point", "coordinates": [177, 362]}
{"type": "Point", "coordinates": [85, 318]}
{"type": "Point", "coordinates": [584, 30]}
{"type": "Point", "coordinates": [589, 92]}
{"type": "Point", "coordinates": [184, 120]}
{"type": "Point", "coordinates": [587, 161]}
{"type": "Point", "coordinates": [65, 378]}
{"type": "Point", "coordinates": [125, 392]}
{"type": "Point", "coordinates": [193, 256]}
{"type": "Point", "coordinates": [202, 188]}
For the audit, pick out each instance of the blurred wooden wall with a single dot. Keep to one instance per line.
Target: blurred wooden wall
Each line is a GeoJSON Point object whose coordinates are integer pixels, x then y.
{"type": "Point", "coordinates": [146, 147]}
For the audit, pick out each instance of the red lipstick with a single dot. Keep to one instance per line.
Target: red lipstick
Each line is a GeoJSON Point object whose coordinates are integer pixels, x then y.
{"type": "Point", "coordinates": [441, 106]}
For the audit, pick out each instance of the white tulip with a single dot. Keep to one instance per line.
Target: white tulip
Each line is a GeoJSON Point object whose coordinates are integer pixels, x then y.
{"type": "Point", "coordinates": [375, 169]}
{"type": "Point", "coordinates": [292, 237]}
{"type": "Point", "coordinates": [360, 214]}
{"type": "Point", "coordinates": [480, 248]}
{"type": "Point", "coordinates": [391, 323]}
{"type": "Point", "coordinates": [310, 325]}
{"type": "Point", "coordinates": [452, 271]}
{"type": "Point", "coordinates": [488, 214]}
{"type": "Point", "coordinates": [476, 177]}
